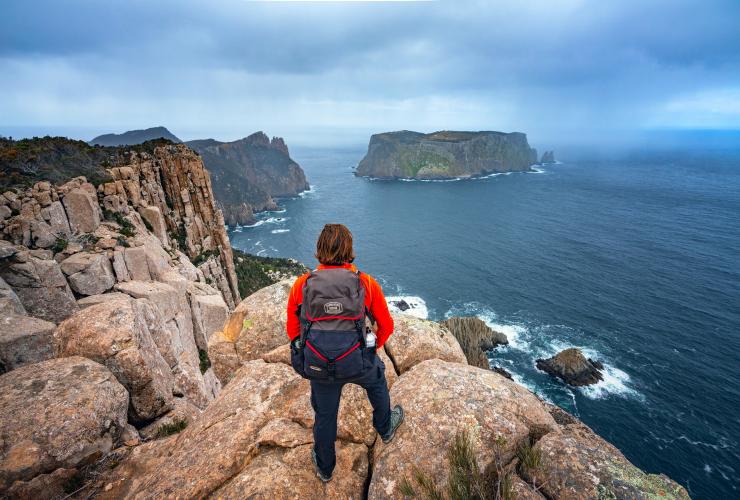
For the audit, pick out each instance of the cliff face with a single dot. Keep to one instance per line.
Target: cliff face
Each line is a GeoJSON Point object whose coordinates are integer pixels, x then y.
{"type": "Point", "coordinates": [248, 173]}
{"type": "Point", "coordinates": [445, 155]}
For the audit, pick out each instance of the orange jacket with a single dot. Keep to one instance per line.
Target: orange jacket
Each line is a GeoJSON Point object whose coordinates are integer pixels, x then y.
{"type": "Point", "coordinates": [374, 301]}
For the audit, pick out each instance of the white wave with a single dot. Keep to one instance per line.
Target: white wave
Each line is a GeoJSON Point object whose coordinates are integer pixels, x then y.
{"type": "Point", "coordinates": [278, 231]}
{"type": "Point", "coordinates": [238, 229]}
{"type": "Point", "coordinates": [417, 306]}
{"type": "Point", "coordinates": [308, 192]}
{"type": "Point", "coordinates": [269, 220]}
{"type": "Point", "coordinates": [616, 382]}
{"type": "Point", "coordinates": [261, 252]}
{"type": "Point", "coordinates": [537, 169]}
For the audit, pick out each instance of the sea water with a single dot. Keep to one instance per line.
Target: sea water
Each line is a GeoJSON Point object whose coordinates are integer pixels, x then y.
{"type": "Point", "coordinates": [634, 259]}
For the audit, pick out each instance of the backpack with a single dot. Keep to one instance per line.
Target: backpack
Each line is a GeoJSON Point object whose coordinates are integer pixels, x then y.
{"type": "Point", "coordinates": [331, 346]}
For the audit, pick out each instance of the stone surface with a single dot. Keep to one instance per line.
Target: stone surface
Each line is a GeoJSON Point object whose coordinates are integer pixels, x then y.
{"type": "Point", "coordinates": [9, 301]}
{"type": "Point", "coordinates": [252, 441]}
{"type": "Point", "coordinates": [51, 486]}
{"type": "Point", "coordinates": [255, 327]}
{"type": "Point", "coordinates": [442, 398]}
{"type": "Point", "coordinates": [572, 367]}
{"type": "Point", "coordinates": [164, 296]}
{"type": "Point", "coordinates": [82, 211]}
{"type": "Point", "coordinates": [24, 340]}
{"type": "Point", "coordinates": [37, 403]}
{"type": "Point", "coordinates": [115, 333]}
{"type": "Point", "coordinates": [182, 411]}
{"type": "Point", "coordinates": [154, 217]}
{"type": "Point", "coordinates": [104, 297]}
{"type": "Point", "coordinates": [210, 313]}
{"type": "Point", "coordinates": [475, 338]}
{"type": "Point", "coordinates": [40, 286]}
{"type": "Point", "coordinates": [415, 340]}
{"type": "Point", "coordinates": [88, 273]}
{"type": "Point", "coordinates": [577, 464]}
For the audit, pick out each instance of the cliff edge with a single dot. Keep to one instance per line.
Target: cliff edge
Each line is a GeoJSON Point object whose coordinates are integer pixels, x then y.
{"type": "Point", "coordinates": [445, 155]}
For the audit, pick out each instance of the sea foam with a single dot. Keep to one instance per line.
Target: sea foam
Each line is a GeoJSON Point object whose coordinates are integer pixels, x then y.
{"type": "Point", "coordinates": [417, 306]}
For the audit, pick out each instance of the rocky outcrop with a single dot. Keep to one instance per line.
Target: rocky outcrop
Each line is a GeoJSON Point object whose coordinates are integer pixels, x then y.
{"type": "Point", "coordinates": [117, 335]}
{"type": "Point", "coordinates": [134, 137]}
{"type": "Point", "coordinates": [253, 441]}
{"type": "Point", "coordinates": [440, 399]}
{"type": "Point", "coordinates": [415, 340]}
{"type": "Point", "coordinates": [572, 367]}
{"type": "Point", "coordinates": [248, 173]}
{"type": "Point", "coordinates": [39, 284]}
{"type": "Point", "coordinates": [88, 273]}
{"type": "Point", "coordinates": [548, 157]}
{"type": "Point", "coordinates": [475, 338]}
{"type": "Point", "coordinates": [577, 464]}
{"type": "Point", "coordinates": [24, 340]}
{"type": "Point", "coordinates": [445, 154]}
{"type": "Point", "coordinates": [60, 413]}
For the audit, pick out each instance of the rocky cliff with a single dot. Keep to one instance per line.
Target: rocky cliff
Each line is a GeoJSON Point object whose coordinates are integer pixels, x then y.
{"type": "Point", "coordinates": [248, 173]}
{"type": "Point", "coordinates": [445, 154]}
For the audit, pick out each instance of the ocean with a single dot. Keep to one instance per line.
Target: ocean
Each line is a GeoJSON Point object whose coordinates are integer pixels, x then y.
{"type": "Point", "coordinates": [634, 258]}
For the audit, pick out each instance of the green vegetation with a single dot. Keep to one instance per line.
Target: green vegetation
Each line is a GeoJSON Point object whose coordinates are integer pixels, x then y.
{"type": "Point", "coordinates": [60, 244]}
{"type": "Point", "coordinates": [204, 256]}
{"type": "Point", "coordinates": [127, 227]}
{"type": "Point", "coordinates": [205, 363]}
{"type": "Point", "coordinates": [175, 427]}
{"type": "Point", "coordinates": [254, 272]}
{"type": "Point", "coordinates": [180, 237]}
{"type": "Point", "coordinates": [411, 161]}
{"type": "Point", "coordinates": [148, 225]}
{"type": "Point", "coordinates": [465, 481]}
{"type": "Point", "coordinates": [58, 159]}
{"type": "Point", "coordinates": [122, 242]}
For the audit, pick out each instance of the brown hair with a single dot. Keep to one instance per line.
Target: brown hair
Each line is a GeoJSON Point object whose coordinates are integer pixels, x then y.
{"type": "Point", "coordinates": [334, 246]}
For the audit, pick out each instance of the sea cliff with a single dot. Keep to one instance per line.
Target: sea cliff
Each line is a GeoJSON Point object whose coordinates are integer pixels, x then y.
{"type": "Point", "coordinates": [248, 173]}
{"type": "Point", "coordinates": [445, 155]}
{"type": "Point", "coordinates": [131, 368]}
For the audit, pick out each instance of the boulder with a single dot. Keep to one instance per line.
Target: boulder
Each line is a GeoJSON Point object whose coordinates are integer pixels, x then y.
{"type": "Point", "coordinates": [55, 215]}
{"type": "Point", "coordinates": [577, 464]}
{"type": "Point", "coordinates": [40, 286]}
{"type": "Point", "coordinates": [24, 340]}
{"type": "Point", "coordinates": [36, 405]}
{"type": "Point", "coordinates": [440, 399]}
{"type": "Point", "coordinates": [82, 210]}
{"type": "Point", "coordinates": [251, 442]}
{"type": "Point", "coordinates": [162, 295]}
{"type": "Point", "coordinates": [415, 340]}
{"type": "Point", "coordinates": [153, 216]}
{"type": "Point", "coordinates": [475, 338]}
{"type": "Point", "coordinates": [209, 310]}
{"type": "Point", "coordinates": [88, 273]}
{"type": "Point", "coordinates": [51, 486]}
{"type": "Point", "coordinates": [9, 301]}
{"type": "Point", "coordinates": [116, 334]}
{"type": "Point", "coordinates": [255, 327]}
{"type": "Point", "coordinates": [572, 367]}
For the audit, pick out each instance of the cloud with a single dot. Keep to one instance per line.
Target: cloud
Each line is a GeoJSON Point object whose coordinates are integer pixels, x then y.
{"type": "Point", "coordinates": [224, 69]}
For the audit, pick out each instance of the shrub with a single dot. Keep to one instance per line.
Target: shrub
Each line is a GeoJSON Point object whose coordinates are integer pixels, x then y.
{"type": "Point", "coordinates": [60, 244]}
{"type": "Point", "coordinates": [126, 227]}
{"type": "Point", "coordinates": [175, 427]}
{"type": "Point", "coordinates": [466, 481]}
{"type": "Point", "coordinates": [205, 363]}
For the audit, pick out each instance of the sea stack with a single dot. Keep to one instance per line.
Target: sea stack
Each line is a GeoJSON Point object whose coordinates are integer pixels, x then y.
{"type": "Point", "coordinates": [445, 155]}
{"type": "Point", "coordinates": [572, 367]}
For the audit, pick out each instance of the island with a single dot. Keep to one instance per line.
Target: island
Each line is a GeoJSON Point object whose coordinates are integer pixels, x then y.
{"type": "Point", "coordinates": [445, 155]}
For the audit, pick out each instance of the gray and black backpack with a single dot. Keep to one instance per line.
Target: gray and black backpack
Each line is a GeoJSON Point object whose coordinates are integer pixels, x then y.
{"type": "Point", "coordinates": [332, 342]}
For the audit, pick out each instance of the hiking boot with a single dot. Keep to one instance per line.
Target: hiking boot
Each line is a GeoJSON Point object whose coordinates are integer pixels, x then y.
{"type": "Point", "coordinates": [396, 419]}
{"type": "Point", "coordinates": [325, 478]}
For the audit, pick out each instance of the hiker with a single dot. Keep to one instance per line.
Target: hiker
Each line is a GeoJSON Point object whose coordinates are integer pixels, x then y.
{"type": "Point", "coordinates": [331, 344]}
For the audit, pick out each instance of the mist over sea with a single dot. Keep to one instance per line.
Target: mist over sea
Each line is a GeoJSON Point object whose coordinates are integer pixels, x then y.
{"type": "Point", "coordinates": [634, 259]}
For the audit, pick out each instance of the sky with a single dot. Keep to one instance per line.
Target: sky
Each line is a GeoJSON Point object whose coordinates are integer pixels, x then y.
{"type": "Point", "coordinates": [335, 72]}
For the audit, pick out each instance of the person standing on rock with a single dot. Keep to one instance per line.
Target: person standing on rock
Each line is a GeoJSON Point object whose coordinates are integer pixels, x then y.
{"type": "Point", "coordinates": [331, 346]}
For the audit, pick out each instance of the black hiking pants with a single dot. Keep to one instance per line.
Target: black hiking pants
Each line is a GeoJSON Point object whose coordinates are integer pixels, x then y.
{"type": "Point", "coordinates": [325, 398]}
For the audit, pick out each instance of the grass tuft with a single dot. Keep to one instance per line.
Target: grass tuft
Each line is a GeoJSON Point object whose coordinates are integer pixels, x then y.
{"type": "Point", "coordinates": [175, 427]}
{"type": "Point", "coordinates": [205, 362]}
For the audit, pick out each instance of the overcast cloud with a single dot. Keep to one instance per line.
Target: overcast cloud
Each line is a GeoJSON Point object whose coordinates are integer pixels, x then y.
{"type": "Point", "coordinates": [337, 71]}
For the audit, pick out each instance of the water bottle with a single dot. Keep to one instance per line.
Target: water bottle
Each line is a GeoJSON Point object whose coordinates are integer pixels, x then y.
{"type": "Point", "coordinates": [369, 338]}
